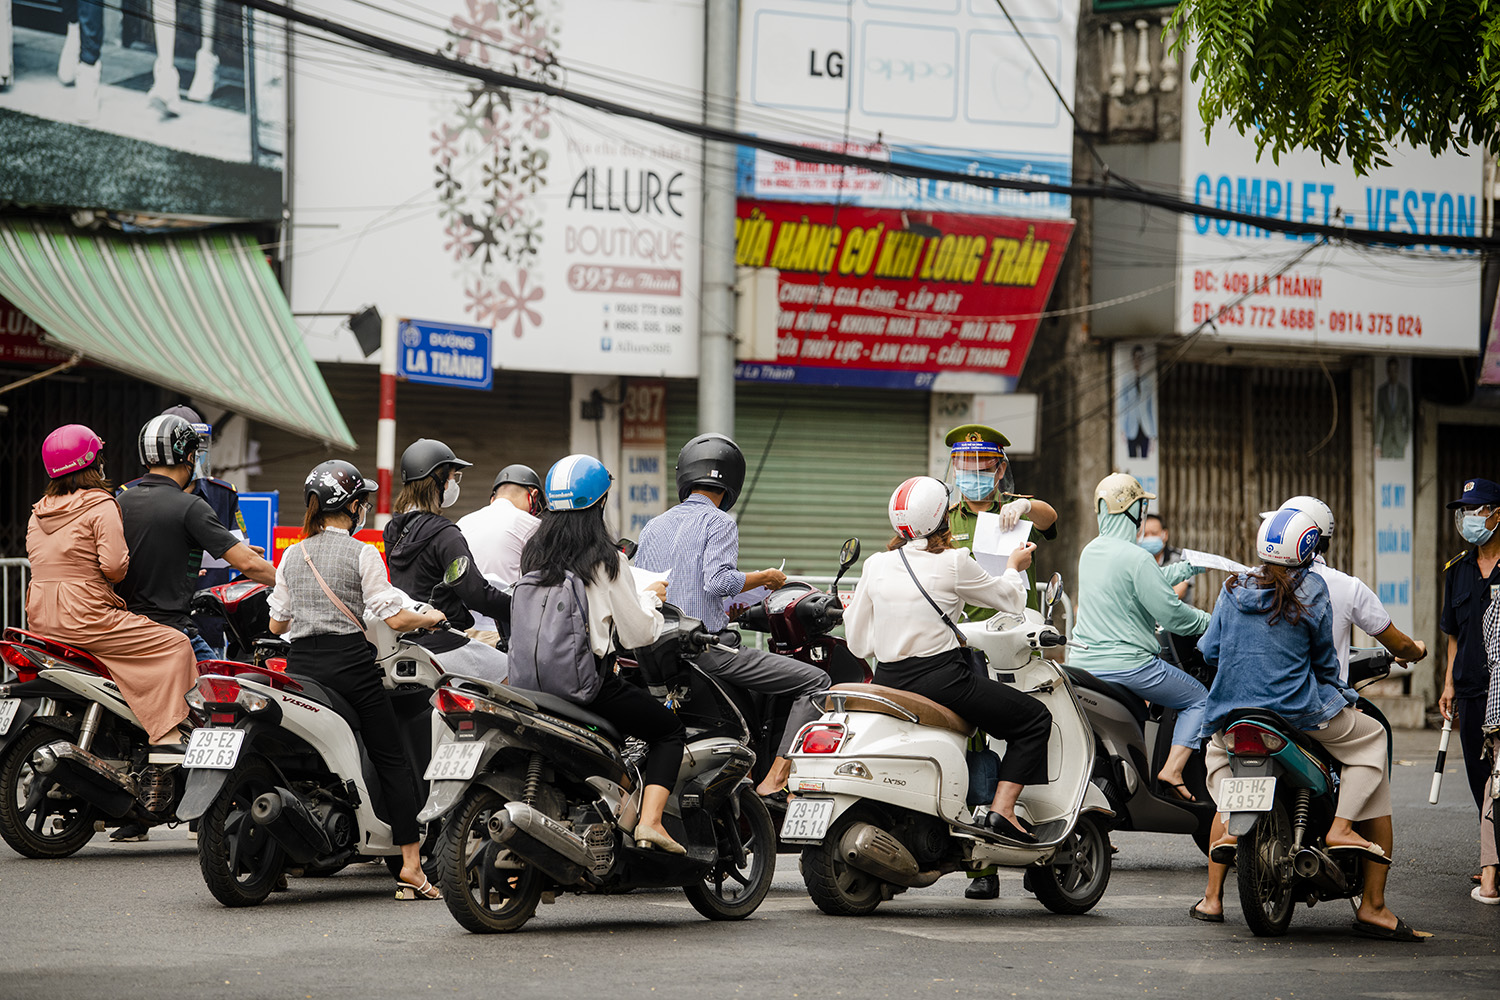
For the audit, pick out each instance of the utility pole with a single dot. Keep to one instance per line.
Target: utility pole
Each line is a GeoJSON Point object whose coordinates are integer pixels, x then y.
{"type": "Point", "coordinates": [716, 311]}
{"type": "Point", "coordinates": [385, 427]}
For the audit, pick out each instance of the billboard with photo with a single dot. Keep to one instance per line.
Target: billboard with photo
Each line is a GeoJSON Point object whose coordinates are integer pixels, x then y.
{"type": "Point", "coordinates": [942, 83]}
{"type": "Point", "coordinates": [574, 235]}
{"type": "Point", "coordinates": [163, 108]}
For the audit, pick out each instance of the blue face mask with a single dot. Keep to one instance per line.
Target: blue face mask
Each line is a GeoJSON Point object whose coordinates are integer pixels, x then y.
{"type": "Point", "coordinates": [1473, 529]}
{"type": "Point", "coordinates": [975, 485]}
{"type": "Point", "coordinates": [1152, 544]}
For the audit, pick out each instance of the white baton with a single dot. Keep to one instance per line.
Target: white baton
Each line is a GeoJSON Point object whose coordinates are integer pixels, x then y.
{"type": "Point", "coordinates": [1442, 758]}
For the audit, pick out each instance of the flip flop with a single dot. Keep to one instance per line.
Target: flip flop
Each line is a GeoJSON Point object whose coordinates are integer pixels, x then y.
{"type": "Point", "coordinates": [1479, 897]}
{"type": "Point", "coordinates": [408, 890]}
{"type": "Point", "coordinates": [780, 796]}
{"type": "Point", "coordinates": [1222, 854]}
{"type": "Point", "coordinates": [1401, 932]}
{"type": "Point", "coordinates": [1184, 795]}
{"type": "Point", "coordinates": [1197, 914]}
{"type": "Point", "coordinates": [1370, 853]}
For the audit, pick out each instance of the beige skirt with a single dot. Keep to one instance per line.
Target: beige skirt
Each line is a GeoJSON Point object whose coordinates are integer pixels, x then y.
{"type": "Point", "coordinates": [1353, 739]}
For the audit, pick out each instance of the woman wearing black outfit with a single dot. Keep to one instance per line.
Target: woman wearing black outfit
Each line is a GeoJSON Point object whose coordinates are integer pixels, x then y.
{"type": "Point", "coordinates": [572, 538]}
{"type": "Point", "coordinates": [328, 644]}
{"type": "Point", "coordinates": [917, 651]}
{"type": "Point", "coordinates": [420, 544]}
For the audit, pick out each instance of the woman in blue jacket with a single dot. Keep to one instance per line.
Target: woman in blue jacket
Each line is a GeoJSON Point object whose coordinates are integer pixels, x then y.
{"type": "Point", "coordinates": [1272, 638]}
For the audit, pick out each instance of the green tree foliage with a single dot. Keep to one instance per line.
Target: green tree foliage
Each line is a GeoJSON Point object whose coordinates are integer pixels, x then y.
{"type": "Point", "coordinates": [1348, 78]}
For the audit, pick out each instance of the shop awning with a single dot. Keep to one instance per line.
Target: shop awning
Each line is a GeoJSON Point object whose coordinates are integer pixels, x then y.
{"type": "Point", "coordinates": [200, 313]}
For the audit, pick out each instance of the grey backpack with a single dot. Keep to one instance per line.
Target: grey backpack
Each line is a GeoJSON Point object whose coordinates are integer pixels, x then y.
{"type": "Point", "coordinates": [549, 639]}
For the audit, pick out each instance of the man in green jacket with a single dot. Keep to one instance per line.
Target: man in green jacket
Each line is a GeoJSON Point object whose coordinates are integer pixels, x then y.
{"type": "Point", "coordinates": [1122, 595]}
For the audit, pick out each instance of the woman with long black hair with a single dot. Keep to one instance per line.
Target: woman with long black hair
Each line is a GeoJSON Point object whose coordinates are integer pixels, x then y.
{"type": "Point", "coordinates": [572, 539]}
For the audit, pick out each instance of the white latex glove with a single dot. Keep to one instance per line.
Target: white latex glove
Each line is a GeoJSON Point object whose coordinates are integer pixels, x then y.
{"type": "Point", "coordinates": [1011, 513]}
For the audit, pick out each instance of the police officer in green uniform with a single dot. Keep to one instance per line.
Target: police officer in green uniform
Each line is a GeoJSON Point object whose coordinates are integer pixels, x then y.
{"type": "Point", "coordinates": [982, 480]}
{"type": "Point", "coordinates": [981, 473]}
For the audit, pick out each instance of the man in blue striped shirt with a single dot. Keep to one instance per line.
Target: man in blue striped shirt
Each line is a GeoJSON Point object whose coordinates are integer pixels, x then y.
{"type": "Point", "coordinates": [699, 543]}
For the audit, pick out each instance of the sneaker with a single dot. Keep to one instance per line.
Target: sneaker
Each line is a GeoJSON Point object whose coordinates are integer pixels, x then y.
{"type": "Point", "coordinates": [983, 887]}
{"type": "Point", "coordinates": [163, 96]}
{"type": "Point", "coordinates": [205, 76]}
{"type": "Point", "coordinates": [130, 833]}
{"type": "Point", "coordinates": [67, 62]}
{"type": "Point", "coordinates": [87, 93]}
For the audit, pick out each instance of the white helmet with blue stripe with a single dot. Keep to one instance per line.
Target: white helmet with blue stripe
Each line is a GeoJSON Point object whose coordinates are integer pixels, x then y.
{"type": "Point", "coordinates": [576, 482]}
{"type": "Point", "coordinates": [1289, 537]}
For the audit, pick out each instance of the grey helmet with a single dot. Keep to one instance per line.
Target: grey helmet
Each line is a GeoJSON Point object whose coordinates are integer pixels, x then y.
{"type": "Point", "coordinates": [167, 440]}
{"type": "Point", "coordinates": [423, 456]}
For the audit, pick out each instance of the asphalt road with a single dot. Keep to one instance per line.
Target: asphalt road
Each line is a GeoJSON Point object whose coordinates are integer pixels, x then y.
{"type": "Point", "coordinates": [135, 921]}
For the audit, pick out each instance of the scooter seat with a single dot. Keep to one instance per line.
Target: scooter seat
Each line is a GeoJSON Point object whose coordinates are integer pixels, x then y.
{"type": "Point", "coordinates": [927, 711]}
{"type": "Point", "coordinates": [565, 709]}
{"type": "Point", "coordinates": [1272, 720]}
{"type": "Point", "coordinates": [313, 691]}
{"type": "Point", "coordinates": [1134, 703]}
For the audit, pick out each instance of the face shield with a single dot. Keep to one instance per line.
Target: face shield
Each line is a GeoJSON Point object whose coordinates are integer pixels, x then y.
{"type": "Point", "coordinates": [978, 469]}
{"type": "Point", "coordinates": [201, 467]}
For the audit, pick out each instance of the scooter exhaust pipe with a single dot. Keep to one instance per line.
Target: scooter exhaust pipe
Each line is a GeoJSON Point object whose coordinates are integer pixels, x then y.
{"type": "Point", "coordinates": [541, 840]}
{"type": "Point", "coordinates": [1318, 868]}
{"type": "Point", "coordinates": [870, 849]}
{"type": "Point", "coordinates": [87, 776]}
{"type": "Point", "coordinates": [284, 816]}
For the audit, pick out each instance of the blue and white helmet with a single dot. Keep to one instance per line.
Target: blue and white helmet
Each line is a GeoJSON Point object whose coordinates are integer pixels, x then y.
{"type": "Point", "coordinates": [1289, 537]}
{"type": "Point", "coordinates": [576, 482]}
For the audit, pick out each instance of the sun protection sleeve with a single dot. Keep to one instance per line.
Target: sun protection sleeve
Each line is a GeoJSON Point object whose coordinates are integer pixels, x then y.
{"type": "Point", "coordinates": [858, 618]}
{"type": "Point", "coordinates": [1160, 601]}
{"type": "Point", "coordinates": [1208, 645]}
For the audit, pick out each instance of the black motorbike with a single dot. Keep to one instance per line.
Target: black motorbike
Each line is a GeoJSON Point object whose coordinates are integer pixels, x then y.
{"type": "Point", "coordinates": [539, 796]}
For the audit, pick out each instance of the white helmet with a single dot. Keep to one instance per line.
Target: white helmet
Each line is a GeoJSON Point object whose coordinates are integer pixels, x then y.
{"type": "Point", "coordinates": [1289, 537]}
{"type": "Point", "coordinates": [918, 507]}
{"type": "Point", "coordinates": [1121, 491]}
{"type": "Point", "coordinates": [1319, 511]}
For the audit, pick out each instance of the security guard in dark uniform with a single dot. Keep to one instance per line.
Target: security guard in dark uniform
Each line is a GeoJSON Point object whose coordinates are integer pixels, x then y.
{"type": "Point", "coordinates": [982, 480]}
{"type": "Point", "coordinates": [225, 501]}
{"type": "Point", "coordinates": [1470, 582]}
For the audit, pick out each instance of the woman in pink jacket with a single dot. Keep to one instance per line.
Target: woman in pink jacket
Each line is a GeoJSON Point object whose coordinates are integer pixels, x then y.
{"type": "Point", "coordinates": [76, 543]}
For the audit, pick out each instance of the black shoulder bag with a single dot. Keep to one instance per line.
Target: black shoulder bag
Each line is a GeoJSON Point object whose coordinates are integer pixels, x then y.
{"type": "Point", "coordinates": [973, 658]}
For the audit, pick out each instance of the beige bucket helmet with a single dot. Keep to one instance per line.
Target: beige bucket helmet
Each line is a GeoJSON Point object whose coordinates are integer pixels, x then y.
{"type": "Point", "coordinates": [1120, 491]}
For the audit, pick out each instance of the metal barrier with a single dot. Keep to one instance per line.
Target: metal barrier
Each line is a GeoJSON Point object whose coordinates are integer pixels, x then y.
{"type": "Point", "coordinates": [15, 573]}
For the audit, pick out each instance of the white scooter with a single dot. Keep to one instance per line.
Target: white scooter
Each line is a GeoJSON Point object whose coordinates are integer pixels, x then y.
{"type": "Point", "coordinates": [279, 777]}
{"type": "Point", "coordinates": [881, 783]}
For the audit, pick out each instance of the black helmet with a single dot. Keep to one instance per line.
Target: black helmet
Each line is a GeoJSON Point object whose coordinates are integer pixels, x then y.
{"type": "Point", "coordinates": [336, 484]}
{"type": "Point", "coordinates": [185, 412]}
{"type": "Point", "coordinates": [711, 461]}
{"type": "Point", "coordinates": [424, 455]}
{"type": "Point", "coordinates": [167, 440]}
{"type": "Point", "coordinates": [520, 475]}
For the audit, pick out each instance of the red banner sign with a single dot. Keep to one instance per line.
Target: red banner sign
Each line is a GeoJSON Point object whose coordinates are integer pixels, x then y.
{"type": "Point", "coordinates": [21, 339]}
{"type": "Point", "coordinates": [284, 537]}
{"type": "Point", "coordinates": [902, 291]}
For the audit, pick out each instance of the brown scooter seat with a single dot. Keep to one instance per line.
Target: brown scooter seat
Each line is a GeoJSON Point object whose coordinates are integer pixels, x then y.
{"type": "Point", "coordinates": [927, 711]}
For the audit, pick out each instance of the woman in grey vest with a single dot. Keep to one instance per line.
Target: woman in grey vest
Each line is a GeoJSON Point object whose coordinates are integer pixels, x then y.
{"type": "Point", "coordinates": [319, 584]}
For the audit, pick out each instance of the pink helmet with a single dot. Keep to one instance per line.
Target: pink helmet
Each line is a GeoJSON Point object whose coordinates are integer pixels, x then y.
{"type": "Point", "coordinates": [69, 448]}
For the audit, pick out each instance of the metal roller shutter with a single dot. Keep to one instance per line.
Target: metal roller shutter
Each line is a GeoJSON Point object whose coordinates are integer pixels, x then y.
{"type": "Point", "coordinates": [829, 473]}
{"type": "Point", "coordinates": [523, 419]}
{"type": "Point", "coordinates": [1237, 441]}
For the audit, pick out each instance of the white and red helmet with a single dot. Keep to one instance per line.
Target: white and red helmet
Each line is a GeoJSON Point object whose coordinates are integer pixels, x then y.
{"type": "Point", "coordinates": [1289, 537]}
{"type": "Point", "coordinates": [918, 507]}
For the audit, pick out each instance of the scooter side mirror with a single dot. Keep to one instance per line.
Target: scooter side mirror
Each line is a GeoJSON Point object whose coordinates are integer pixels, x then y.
{"type": "Point", "coordinates": [1050, 595]}
{"type": "Point", "coordinates": [847, 557]}
{"type": "Point", "coordinates": [455, 572]}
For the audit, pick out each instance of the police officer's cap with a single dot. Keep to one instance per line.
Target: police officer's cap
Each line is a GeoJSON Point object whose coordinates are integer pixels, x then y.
{"type": "Point", "coordinates": [1477, 493]}
{"type": "Point", "coordinates": [976, 434]}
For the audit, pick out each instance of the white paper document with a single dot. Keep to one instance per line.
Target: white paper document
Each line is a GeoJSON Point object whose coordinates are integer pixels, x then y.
{"type": "Point", "coordinates": [645, 578]}
{"type": "Point", "coordinates": [992, 546]}
{"type": "Point", "coordinates": [748, 598]}
{"type": "Point", "coordinates": [1207, 560]}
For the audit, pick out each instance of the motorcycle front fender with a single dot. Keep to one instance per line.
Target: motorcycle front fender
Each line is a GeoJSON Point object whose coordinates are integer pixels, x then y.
{"type": "Point", "coordinates": [205, 783]}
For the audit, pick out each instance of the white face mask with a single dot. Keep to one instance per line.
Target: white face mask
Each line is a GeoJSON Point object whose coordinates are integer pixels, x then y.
{"type": "Point", "coordinates": [450, 493]}
{"type": "Point", "coordinates": [360, 518]}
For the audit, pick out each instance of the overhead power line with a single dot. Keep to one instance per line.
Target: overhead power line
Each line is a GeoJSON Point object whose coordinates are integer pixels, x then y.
{"type": "Point", "coordinates": [807, 154]}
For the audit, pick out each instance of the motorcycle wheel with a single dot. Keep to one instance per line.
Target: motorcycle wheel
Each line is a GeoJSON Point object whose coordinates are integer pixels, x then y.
{"type": "Point", "coordinates": [838, 888]}
{"type": "Point", "coordinates": [488, 889]}
{"type": "Point", "coordinates": [47, 827]}
{"type": "Point", "coordinates": [1075, 880]}
{"type": "Point", "coordinates": [733, 889]}
{"type": "Point", "coordinates": [240, 860]}
{"type": "Point", "coordinates": [1263, 863]}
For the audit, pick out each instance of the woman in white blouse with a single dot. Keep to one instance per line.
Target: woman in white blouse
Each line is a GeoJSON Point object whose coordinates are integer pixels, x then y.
{"type": "Point", "coordinates": [324, 585]}
{"type": "Point", "coordinates": [917, 651]}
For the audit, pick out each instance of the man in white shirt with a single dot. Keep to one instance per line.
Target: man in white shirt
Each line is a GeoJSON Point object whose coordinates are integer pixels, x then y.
{"type": "Point", "coordinates": [1356, 604]}
{"type": "Point", "coordinates": [497, 533]}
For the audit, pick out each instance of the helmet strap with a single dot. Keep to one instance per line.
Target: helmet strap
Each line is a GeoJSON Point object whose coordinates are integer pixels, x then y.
{"type": "Point", "coordinates": [1136, 519]}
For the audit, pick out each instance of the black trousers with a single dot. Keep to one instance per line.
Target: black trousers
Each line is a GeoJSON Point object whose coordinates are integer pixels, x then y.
{"type": "Point", "coordinates": [633, 711]}
{"type": "Point", "coordinates": [1471, 738]}
{"type": "Point", "coordinates": [1000, 710]}
{"type": "Point", "coordinates": [346, 664]}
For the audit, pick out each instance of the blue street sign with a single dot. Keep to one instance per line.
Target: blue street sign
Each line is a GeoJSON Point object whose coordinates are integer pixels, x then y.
{"type": "Point", "coordinates": [445, 354]}
{"type": "Point", "coordinates": [260, 511]}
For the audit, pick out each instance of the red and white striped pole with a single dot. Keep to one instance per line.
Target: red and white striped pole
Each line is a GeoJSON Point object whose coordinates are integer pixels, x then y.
{"type": "Point", "coordinates": [385, 428]}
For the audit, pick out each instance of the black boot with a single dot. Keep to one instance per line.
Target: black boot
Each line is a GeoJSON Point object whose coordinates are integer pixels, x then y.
{"type": "Point", "coordinates": [983, 887]}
